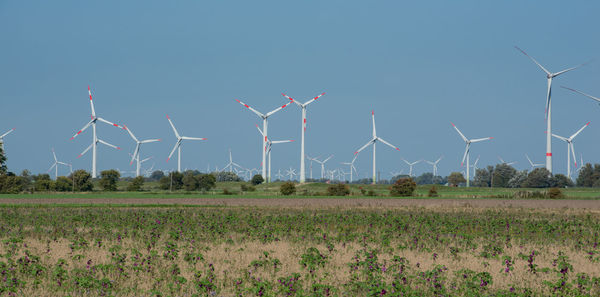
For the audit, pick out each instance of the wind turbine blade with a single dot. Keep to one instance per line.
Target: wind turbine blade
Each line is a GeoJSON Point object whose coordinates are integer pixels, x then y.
{"type": "Point", "coordinates": [530, 162]}
{"type": "Point", "coordinates": [481, 139]}
{"type": "Point", "coordinates": [407, 163]}
{"type": "Point", "coordinates": [85, 151]}
{"type": "Point", "coordinates": [465, 154]}
{"type": "Point", "coordinates": [51, 167]}
{"type": "Point", "coordinates": [381, 139]}
{"type": "Point", "coordinates": [91, 102]}
{"type": "Point", "coordinates": [173, 151]}
{"type": "Point", "coordinates": [579, 131]}
{"type": "Point", "coordinates": [313, 99]}
{"type": "Point", "coordinates": [9, 131]}
{"type": "Point", "coordinates": [327, 159]}
{"type": "Point", "coordinates": [54, 155]}
{"type": "Point", "coordinates": [82, 129]}
{"type": "Point", "coordinates": [461, 135]}
{"type": "Point", "coordinates": [281, 141]}
{"type": "Point", "coordinates": [130, 133]}
{"type": "Point", "coordinates": [63, 163]}
{"type": "Point", "coordinates": [150, 140]}
{"type": "Point", "coordinates": [548, 91]}
{"type": "Point", "coordinates": [146, 159]}
{"type": "Point", "coordinates": [261, 132]}
{"type": "Point", "coordinates": [110, 123]}
{"type": "Point", "coordinates": [252, 109]}
{"type": "Point", "coordinates": [576, 91]}
{"type": "Point", "coordinates": [108, 144]}
{"type": "Point", "coordinates": [292, 99]}
{"type": "Point", "coordinates": [573, 152]}
{"type": "Point", "coordinates": [278, 109]}
{"type": "Point", "coordinates": [560, 137]}
{"type": "Point", "coordinates": [363, 147]}
{"type": "Point", "coordinates": [501, 160]}
{"type": "Point", "coordinates": [173, 126]}
{"type": "Point", "coordinates": [135, 153]}
{"type": "Point", "coordinates": [374, 130]}
{"type": "Point", "coordinates": [192, 138]}
{"type": "Point", "coordinates": [532, 59]}
{"type": "Point", "coordinates": [569, 69]}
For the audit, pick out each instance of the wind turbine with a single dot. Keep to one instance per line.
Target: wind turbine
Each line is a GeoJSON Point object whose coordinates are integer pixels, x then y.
{"type": "Point", "coordinates": [475, 165]}
{"type": "Point", "coordinates": [136, 151]}
{"type": "Point", "coordinates": [434, 164]}
{"type": "Point", "coordinates": [95, 139]}
{"type": "Point", "coordinates": [265, 118]}
{"type": "Point", "coordinates": [267, 150]}
{"type": "Point", "coordinates": [56, 163]}
{"type": "Point", "coordinates": [549, 77]}
{"type": "Point", "coordinates": [231, 164]}
{"type": "Point", "coordinates": [410, 173]}
{"type": "Point", "coordinates": [373, 141]}
{"type": "Point", "coordinates": [323, 165]}
{"type": "Point", "coordinates": [311, 163]}
{"type": "Point", "coordinates": [279, 175]}
{"type": "Point", "coordinates": [2, 138]}
{"type": "Point", "coordinates": [291, 172]}
{"type": "Point", "coordinates": [506, 163]}
{"type": "Point", "coordinates": [303, 107]}
{"type": "Point", "coordinates": [467, 149]}
{"type": "Point", "coordinates": [178, 144]}
{"type": "Point", "coordinates": [571, 148]}
{"type": "Point", "coordinates": [351, 164]}
{"type": "Point", "coordinates": [533, 165]}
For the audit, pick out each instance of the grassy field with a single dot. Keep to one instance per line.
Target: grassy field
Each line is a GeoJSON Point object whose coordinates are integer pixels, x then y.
{"type": "Point", "coordinates": [238, 251]}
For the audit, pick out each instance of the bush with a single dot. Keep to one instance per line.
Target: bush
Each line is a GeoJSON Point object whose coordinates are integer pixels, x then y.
{"type": "Point", "coordinates": [136, 184]}
{"type": "Point", "coordinates": [190, 182]}
{"type": "Point", "coordinates": [287, 188]}
{"type": "Point", "coordinates": [247, 188]}
{"type": "Point", "coordinates": [83, 180]}
{"type": "Point", "coordinates": [43, 183]}
{"type": "Point", "coordinates": [338, 190]}
{"type": "Point", "coordinates": [257, 180]}
{"type": "Point", "coordinates": [403, 187]}
{"type": "Point", "coordinates": [11, 184]}
{"type": "Point", "coordinates": [109, 179]}
{"type": "Point", "coordinates": [433, 192]}
{"type": "Point", "coordinates": [63, 184]}
{"type": "Point", "coordinates": [555, 193]}
{"type": "Point", "coordinates": [173, 181]}
{"type": "Point", "coordinates": [456, 178]}
{"type": "Point", "coordinates": [206, 182]}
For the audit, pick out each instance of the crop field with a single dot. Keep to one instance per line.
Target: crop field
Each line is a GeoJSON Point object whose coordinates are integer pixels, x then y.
{"type": "Point", "coordinates": [154, 250]}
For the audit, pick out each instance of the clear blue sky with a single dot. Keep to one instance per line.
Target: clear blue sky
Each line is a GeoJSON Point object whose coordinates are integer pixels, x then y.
{"type": "Point", "coordinates": [419, 65]}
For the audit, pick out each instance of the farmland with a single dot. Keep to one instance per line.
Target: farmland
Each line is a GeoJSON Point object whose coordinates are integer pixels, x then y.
{"type": "Point", "coordinates": [295, 250]}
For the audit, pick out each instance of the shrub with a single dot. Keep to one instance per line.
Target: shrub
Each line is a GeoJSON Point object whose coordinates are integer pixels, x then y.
{"type": "Point", "coordinates": [190, 182]}
{"type": "Point", "coordinates": [338, 190]}
{"type": "Point", "coordinates": [403, 187]}
{"type": "Point", "coordinates": [42, 183]}
{"type": "Point", "coordinates": [136, 184]}
{"type": "Point", "coordinates": [247, 188]}
{"type": "Point", "coordinates": [206, 182]}
{"type": "Point", "coordinates": [83, 180]}
{"type": "Point", "coordinates": [63, 184]}
{"type": "Point", "coordinates": [456, 178]}
{"type": "Point", "coordinates": [173, 181]}
{"type": "Point", "coordinates": [11, 184]}
{"type": "Point", "coordinates": [433, 192]}
{"type": "Point", "coordinates": [257, 180]}
{"type": "Point", "coordinates": [555, 193]}
{"type": "Point", "coordinates": [287, 188]}
{"type": "Point", "coordinates": [109, 179]}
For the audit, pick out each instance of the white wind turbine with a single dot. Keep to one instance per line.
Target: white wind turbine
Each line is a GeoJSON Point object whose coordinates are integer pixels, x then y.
{"type": "Point", "coordinates": [352, 168]}
{"type": "Point", "coordinates": [291, 173]}
{"type": "Point", "coordinates": [279, 175]}
{"type": "Point", "coordinates": [311, 163]}
{"type": "Point", "coordinates": [571, 148]}
{"type": "Point", "coordinates": [373, 141]}
{"type": "Point", "coordinates": [475, 165]}
{"type": "Point", "coordinates": [56, 163]}
{"type": "Point", "coordinates": [434, 164]}
{"type": "Point", "coordinates": [178, 144]}
{"type": "Point", "coordinates": [269, 145]}
{"type": "Point", "coordinates": [265, 118]}
{"type": "Point", "coordinates": [95, 139]}
{"type": "Point", "coordinates": [231, 164]}
{"type": "Point", "coordinates": [322, 165]}
{"type": "Point", "coordinates": [506, 163]}
{"type": "Point", "coordinates": [2, 138]}
{"type": "Point", "coordinates": [303, 107]}
{"type": "Point", "coordinates": [549, 77]}
{"type": "Point", "coordinates": [410, 165]}
{"type": "Point", "coordinates": [533, 165]}
{"type": "Point", "coordinates": [467, 149]}
{"type": "Point", "coordinates": [136, 151]}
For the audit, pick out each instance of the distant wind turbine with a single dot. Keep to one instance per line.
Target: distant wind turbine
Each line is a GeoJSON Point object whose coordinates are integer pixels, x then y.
{"type": "Point", "coordinates": [178, 144]}
{"type": "Point", "coordinates": [506, 163]}
{"type": "Point", "coordinates": [351, 164]}
{"type": "Point", "coordinates": [136, 151]}
{"type": "Point", "coordinates": [571, 148]}
{"type": "Point", "coordinates": [56, 163]}
{"type": "Point", "coordinates": [533, 165]}
{"type": "Point", "coordinates": [467, 149]}
{"type": "Point", "coordinates": [323, 166]}
{"type": "Point", "coordinates": [410, 165]}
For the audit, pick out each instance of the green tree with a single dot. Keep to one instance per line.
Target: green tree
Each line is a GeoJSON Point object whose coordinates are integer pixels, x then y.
{"type": "Point", "coordinates": [518, 179]}
{"type": "Point", "coordinates": [206, 182]}
{"type": "Point", "coordinates": [561, 181]}
{"type": "Point", "coordinates": [190, 182]}
{"type": "Point", "coordinates": [43, 183]}
{"type": "Point", "coordinates": [404, 187]}
{"type": "Point", "coordinates": [257, 179]}
{"type": "Point", "coordinates": [156, 175]}
{"type": "Point", "coordinates": [173, 181]}
{"type": "Point", "coordinates": [27, 179]}
{"type": "Point", "coordinates": [287, 188]}
{"type": "Point", "coordinates": [225, 176]}
{"type": "Point", "coordinates": [82, 180]}
{"type": "Point", "coordinates": [588, 175]}
{"type": "Point", "coordinates": [109, 179]}
{"type": "Point", "coordinates": [3, 169]}
{"type": "Point", "coordinates": [456, 178]}
{"type": "Point", "coordinates": [136, 184]}
{"type": "Point", "coordinates": [538, 178]}
{"type": "Point", "coordinates": [63, 184]}
{"type": "Point", "coordinates": [11, 184]}
{"type": "Point", "coordinates": [338, 190]}
{"type": "Point", "coordinates": [501, 175]}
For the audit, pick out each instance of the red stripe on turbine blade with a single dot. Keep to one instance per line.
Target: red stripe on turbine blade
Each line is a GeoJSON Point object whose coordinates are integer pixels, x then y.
{"type": "Point", "coordinates": [452, 124]}
{"type": "Point", "coordinates": [265, 138]}
{"type": "Point", "coordinates": [118, 148]}
{"type": "Point", "coordinates": [305, 121]}
{"type": "Point", "coordinates": [491, 138]}
{"type": "Point", "coordinates": [355, 153]}
{"type": "Point", "coordinates": [587, 123]}
{"type": "Point", "coordinates": [168, 159]}
{"type": "Point", "coordinates": [168, 117]}
{"type": "Point", "coordinates": [71, 138]}
{"type": "Point", "coordinates": [247, 105]}
{"type": "Point", "coordinates": [283, 106]}
{"type": "Point", "coordinates": [115, 125]}
{"type": "Point", "coordinates": [397, 149]}
{"type": "Point", "coordinates": [79, 156]}
{"type": "Point", "coordinates": [548, 154]}
{"type": "Point", "coordinates": [78, 132]}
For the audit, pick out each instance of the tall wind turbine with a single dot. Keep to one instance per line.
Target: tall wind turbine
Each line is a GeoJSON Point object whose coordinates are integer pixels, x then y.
{"type": "Point", "coordinates": [231, 164]}
{"type": "Point", "coordinates": [95, 139]}
{"type": "Point", "coordinates": [351, 164]}
{"type": "Point", "coordinates": [373, 141]}
{"type": "Point", "coordinates": [549, 77]}
{"type": "Point", "coordinates": [434, 164]}
{"type": "Point", "coordinates": [265, 118]}
{"type": "Point", "coordinates": [533, 165]}
{"type": "Point", "coordinates": [56, 163]}
{"type": "Point", "coordinates": [571, 148]}
{"type": "Point", "coordinates": [178, 144]}
{"type": "Point", "coordinates": [467, 149]}
{"type": "Point", "coordinates": [136, 151]}
{"type": "Point", "coordinates": [303, 107]}
{"type": "Point", "coordinates": [322, 165]}
{"type": "Point", "coordinates": [2, 138]}
{"type": "Point", "coordinates": [410, 165]}
{"type": "Point", "coordinates": [267, 149]}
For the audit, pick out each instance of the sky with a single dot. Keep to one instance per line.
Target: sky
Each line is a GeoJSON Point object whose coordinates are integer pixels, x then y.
{"type": "Point", "coordinates": [420, 65]}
